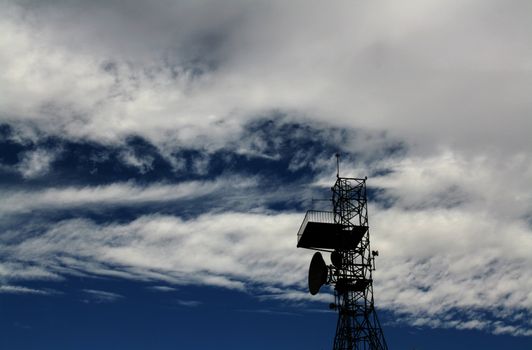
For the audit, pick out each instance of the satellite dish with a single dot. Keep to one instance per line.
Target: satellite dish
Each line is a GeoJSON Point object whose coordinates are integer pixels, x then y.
{"type": "Point", "coordinates": [336, 259]}
{"type": "Point", "coordinates": [317, 273]}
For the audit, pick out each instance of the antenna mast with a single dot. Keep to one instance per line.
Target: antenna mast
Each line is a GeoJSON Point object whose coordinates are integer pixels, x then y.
{"type": "Point", "coordinates": [344, 232]}
{"type": "Point", "coordinates": [337, 165]}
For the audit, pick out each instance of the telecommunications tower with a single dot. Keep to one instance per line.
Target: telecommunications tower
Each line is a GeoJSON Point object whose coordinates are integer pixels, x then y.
{"type": "Point", "coordinates": [344, 232]}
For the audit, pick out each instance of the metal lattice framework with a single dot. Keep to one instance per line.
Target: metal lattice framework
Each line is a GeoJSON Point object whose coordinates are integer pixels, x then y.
{"type": "Point", "coordinates": [345, 233]}
{"type": "Point", "coordinates": [358, 326]}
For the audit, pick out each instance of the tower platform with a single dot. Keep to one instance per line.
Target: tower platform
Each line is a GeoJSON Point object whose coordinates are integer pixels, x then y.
{"type": "Point", "coordinates": [319, 231]}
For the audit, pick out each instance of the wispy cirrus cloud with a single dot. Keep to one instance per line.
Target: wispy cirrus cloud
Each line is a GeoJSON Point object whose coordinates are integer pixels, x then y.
{"type": "Point", "coordinates": [14, 289]}
{"type": "Point", "coordinates": [116, 194]}
{"type": "Point", "coordinates": [219, 249]}
{"type": "Point", "coordinates": [101, 296]}
{"type": "Point", "coordinates": [189, 303]}
{"type": "Point", "coordinates": [447, 81]}
{"type": "Point", "coordinates": [163, 288]}
{"type": "Point", "coordinates": [435, 264]}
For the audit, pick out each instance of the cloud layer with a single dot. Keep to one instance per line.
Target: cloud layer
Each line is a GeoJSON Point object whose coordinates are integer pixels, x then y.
{"type": "Point", "coordinates": [181, 142]}
{"type": "Point", "coordinates": [436, 73]}
{"type": "Point", "coordinates": [453, 254]}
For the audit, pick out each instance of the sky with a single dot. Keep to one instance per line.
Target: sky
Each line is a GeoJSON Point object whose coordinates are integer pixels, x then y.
{"type": "Point", "coordinates": [157, 159]}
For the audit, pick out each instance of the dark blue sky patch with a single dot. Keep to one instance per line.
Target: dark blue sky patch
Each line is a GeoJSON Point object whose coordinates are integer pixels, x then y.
{"type": "Point", "coordinates": [280, 151]}
{"type": "Point", "coordinates": [9, 148]}
{"type": "Point", "coordinates": [283, 157]}
{"type": "Point", "coordinates": [96, 164]}
{"type": "Point", "coordinates": [144, 318]}
{"type": "Point", "coordinates": [279, 139]}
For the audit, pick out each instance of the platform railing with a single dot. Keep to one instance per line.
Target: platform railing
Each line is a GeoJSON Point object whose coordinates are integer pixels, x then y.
{"type": "Point", "coordinates": [324, 217]}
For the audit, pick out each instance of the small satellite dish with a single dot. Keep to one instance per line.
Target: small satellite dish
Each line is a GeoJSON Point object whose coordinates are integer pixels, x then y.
{"type": "Point", "coordinates": [317, 273]}
{"type": "Point", "coordinates": [336, 259]}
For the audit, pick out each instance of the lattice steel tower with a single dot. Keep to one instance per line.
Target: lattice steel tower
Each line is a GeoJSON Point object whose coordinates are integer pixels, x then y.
{"type": "Point", "coordinates": [344, 233]}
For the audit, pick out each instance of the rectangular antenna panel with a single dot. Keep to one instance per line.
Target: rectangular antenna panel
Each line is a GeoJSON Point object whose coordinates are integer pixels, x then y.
{"type": "Point", "coordinates": [319, 231]}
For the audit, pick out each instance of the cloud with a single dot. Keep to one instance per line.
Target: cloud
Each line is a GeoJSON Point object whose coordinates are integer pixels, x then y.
{"type": "Point", "coordinates": [296, 296]}
{"type": "Point", "coordinates": [35, 163]}
{"type": "Point", "coordinates": [19, 271]}
{"type": "Point", "coordinates": [10, 289]}
{"type": "Point", "coordinates": [435, 263]}
{"type": "Point", "coordinates": [100, 296]}
{"type": "Point", "coordinates": [127, 193]}
{"type": "Point", "coordinates": [163, 288]}
{"type": "Point", "coordinates": [199, 78]}
{"type": "Point", "coordinates": [189, 303]}
{"type": "Point", "coordinates": [271, 312]}
{"type": "Point", "coordinates": [448, 81]}
{"type": "Point", "coordinates": [475, 186]}
{"type": "Point", "coordinates": [144, 164]}
{"type": "Point", "coordinates": [229, 249]}
{"type": "Point", "coordinates": [456, 237]}
{"type": "Point", "coordinates": [454, 243]}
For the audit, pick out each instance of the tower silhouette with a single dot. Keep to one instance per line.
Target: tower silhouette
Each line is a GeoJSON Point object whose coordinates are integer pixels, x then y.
{"type": "Point", "coordinates": [344, 232]}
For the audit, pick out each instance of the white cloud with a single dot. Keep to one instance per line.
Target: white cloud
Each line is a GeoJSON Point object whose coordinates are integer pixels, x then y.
{"type": "Point", "coordinates": [228, 250]}
{"type": "Point", "coordinates": [433, 74]}
{"type": "Point", "coordinates": [297, 296]}
{"type": "Point", "coordinates": [457, 237]}
{"type": "Point", "coordinates": [189, 303]}
{"type": "Point", "coordinates": [439, 259]}
{"type": "Point", "coordinates": [454, 246]}
{"type": "Point", "coordinates": [143, 164]}
{"type": "Point", "coordinates": [497, 186]}
{"type": "Point", "coordinates": [269, 311]}
{"type": "Point", "coordinates": [18, 271]}
{"type": "Point", "coordinates": [115, 194]}
{"type": "Point", "coordinates": [10, 289]}
{"type": "Point", "coordinates": [450, 79]}
{"type": "Point", "coordinates": [433, 262]}
{"type": "Point", "coordinates": [35, 163]}
{"type": "Point", "coordinates": [101, 296]}
{"type": "Point", "coordinates": [163, 288]}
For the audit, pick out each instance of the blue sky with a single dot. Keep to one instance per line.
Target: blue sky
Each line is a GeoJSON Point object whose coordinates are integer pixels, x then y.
{"type": "Point", "coordinates": [157, 159]}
